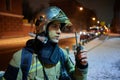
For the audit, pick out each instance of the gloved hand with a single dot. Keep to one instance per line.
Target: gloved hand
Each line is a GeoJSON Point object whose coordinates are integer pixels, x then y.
{"type": "Point", "coordinates": [81, 58]}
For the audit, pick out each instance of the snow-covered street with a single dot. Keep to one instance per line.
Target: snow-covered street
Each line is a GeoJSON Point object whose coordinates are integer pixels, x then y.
{"type": "Point", "coordinates": [104, 60]}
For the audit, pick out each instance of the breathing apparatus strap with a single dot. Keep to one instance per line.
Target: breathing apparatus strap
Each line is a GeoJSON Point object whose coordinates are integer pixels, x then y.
{"type": "Point", "coordinates": [26, 59]}
{"type": "Point", "coordinates": [64, 75]}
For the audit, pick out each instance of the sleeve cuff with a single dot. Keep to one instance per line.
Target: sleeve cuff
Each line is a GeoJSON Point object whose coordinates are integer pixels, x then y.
{"type": "Point", "coordinates": [82, 66]}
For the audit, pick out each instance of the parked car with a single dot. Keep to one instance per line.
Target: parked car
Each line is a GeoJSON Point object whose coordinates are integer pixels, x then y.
{"type": "Point", "coordinates": [94, 31]}
{"type": "Point", "coordinates": [84, 36]}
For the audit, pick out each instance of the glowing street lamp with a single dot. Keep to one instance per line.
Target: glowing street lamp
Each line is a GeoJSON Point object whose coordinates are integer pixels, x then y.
{"type": "Point", "coordinates": [93, 18]}
{"type": "Point", "coordinates": [81, 8]}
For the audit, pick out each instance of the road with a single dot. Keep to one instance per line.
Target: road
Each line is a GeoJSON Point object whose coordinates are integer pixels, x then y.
{"type": "Point", "coordinates": [104, 60]}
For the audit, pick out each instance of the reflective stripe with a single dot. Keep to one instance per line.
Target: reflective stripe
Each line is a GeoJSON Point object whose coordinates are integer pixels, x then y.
{"type": "Point", "coordinates": [33, 67]}
{"type": "Point", "coordinates": [39, 66]}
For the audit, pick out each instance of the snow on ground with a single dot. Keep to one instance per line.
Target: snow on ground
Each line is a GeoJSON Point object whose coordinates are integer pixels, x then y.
{"type": "Point", "coordinates": [104, 61]}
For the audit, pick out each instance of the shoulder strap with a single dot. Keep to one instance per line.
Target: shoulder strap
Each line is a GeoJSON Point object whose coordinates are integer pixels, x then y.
{"type": "Point", "coordinates": [26, 59]}
{"type": "Point", "coordinates": [64, 74]}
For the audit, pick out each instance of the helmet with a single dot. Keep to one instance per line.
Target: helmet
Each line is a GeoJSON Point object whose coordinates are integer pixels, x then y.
{"type": "Point", "coordinates": [50, 14]}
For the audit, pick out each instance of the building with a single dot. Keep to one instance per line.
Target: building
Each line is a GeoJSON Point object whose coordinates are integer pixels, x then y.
{"type": "Point", "coordinates": [115, 27]}
{"type": "Point", "coordinates": [12, 14]}
{"type": "Point", "coordinates": [11, 19]}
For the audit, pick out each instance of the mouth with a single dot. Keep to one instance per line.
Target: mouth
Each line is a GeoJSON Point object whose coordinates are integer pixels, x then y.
{"type": "Point", "coordinates": [57, 37]}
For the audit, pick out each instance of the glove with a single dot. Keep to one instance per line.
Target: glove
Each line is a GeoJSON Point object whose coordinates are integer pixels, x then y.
{"type": "Point", "coordinates": [81, 58]}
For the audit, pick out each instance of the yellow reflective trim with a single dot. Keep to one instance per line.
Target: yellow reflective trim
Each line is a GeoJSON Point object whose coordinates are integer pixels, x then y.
{"type": "Point", "coordinates": [39, 66]}
{"type": "Point", "coordinates": [37, 63]}
{"type": "Point", "coordinates": [3, 78]}
{"type": "Point", "coordinates": [33, 67]}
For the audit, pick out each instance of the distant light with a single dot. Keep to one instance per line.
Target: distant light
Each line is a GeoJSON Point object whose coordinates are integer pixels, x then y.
{"type": "Point", "coordinates": [93, 18]}
{"type": "Point", "coordinates": [80, 32]}
{"type": "Point", "coordinates": [98, 22]}
{"type": "Point", "coordinates": [84, 33]}
{"type": "Point", "coordinates": [81, 8]}
{"type": "Point", "coordinates": [43, 16]}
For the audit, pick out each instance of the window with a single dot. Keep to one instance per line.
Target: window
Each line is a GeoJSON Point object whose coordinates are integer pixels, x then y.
{"type": "Point", "coordinates": [8, 5]}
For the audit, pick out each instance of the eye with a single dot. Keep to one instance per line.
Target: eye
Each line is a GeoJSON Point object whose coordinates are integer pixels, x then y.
{"type": "Point", "coordinates": [56, 26]}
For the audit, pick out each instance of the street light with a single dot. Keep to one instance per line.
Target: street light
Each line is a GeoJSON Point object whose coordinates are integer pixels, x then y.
{"type": "Point", "coordinates": [93, 18]}
{"type": "Point", "coordinates": [98, 22]}
{"type": "Point", "coordinates": [81, 8]}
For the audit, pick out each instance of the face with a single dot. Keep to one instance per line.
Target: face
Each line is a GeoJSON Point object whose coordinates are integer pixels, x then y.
{"type": "Point", "coordinates": [54, 31]}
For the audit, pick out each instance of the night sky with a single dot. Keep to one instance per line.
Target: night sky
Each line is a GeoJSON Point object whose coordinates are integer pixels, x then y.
{"type": "Point", "coordinates": [30, 7]}
{"type": "Point", "coordinates": [103, 8]}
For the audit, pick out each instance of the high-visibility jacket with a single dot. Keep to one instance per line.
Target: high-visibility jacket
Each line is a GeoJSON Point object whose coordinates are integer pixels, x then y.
{"type": "Point", "coordinates": [52, 71]}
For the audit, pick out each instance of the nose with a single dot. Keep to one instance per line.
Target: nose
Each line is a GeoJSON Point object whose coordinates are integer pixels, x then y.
{"type": "Point", "coordinates": [59, 31]}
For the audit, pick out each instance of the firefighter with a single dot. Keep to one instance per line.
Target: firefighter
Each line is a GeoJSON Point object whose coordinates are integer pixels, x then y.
{"type": "Point", "coordinates": [42, 58]}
